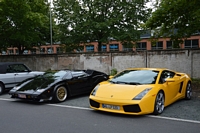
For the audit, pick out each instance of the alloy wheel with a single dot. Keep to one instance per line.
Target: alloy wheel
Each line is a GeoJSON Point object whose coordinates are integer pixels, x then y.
{"type": "Point", "coordinates": [159, 103]}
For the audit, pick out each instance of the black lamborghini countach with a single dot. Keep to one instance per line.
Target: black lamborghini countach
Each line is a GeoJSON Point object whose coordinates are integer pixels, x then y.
{"type": "Point", "coordinates": [57, 86]}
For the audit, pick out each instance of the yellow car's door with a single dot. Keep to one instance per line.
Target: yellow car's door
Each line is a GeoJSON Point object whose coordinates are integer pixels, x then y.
{"type": "Point", "coordinates": [171, 85]}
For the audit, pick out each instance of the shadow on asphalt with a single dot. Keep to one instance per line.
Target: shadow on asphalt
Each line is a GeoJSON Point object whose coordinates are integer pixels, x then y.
{"type": "Point", "coordinates": [46, 102]}
{"type": "Point", "coordinates": [117, 114]}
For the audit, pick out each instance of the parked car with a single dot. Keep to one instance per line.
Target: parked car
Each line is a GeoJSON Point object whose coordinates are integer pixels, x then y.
{"type": "Point", "coordinates": [12, 73]}
{"type": "Point", "coordinates": [57, 86]}
{"type": "Point", "coordinates": [140, 91]}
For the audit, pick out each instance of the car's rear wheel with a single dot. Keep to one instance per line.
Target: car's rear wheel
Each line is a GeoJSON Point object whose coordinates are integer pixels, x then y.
{"type": "Point", "coordinates": [159, 103]}
{"type": "Point", "coordinates": [1, 88]}
{"type": "Point", "coordinates": [188, 91]}
{"type": "Point", "coordinates": [60, 94]}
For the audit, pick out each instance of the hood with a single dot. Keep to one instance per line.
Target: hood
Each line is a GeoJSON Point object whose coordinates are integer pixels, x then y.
{"type": "Point", "coordinates": [120, 91]}
{"type": "Point", "coordinates": [38, 83]}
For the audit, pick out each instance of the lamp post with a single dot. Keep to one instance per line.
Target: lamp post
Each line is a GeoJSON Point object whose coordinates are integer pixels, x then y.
{"type": "Point", "coordinates": [50, 17]}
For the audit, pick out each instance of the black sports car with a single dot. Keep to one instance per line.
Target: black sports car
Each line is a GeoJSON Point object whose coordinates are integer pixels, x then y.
{"type": "Point", "coordinates": [58, 85]}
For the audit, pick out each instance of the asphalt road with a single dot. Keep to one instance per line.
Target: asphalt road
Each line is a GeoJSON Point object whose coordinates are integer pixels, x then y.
{"type": "Point", "coordinates": [26, 117]}
{"type": "Point", "coordinates": [183, 109]}
{"type": "Point", "coordinates": [74, 116]}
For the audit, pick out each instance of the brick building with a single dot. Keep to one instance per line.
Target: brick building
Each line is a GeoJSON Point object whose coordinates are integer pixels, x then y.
{"type": "Point", "coordinates": [143, 44]}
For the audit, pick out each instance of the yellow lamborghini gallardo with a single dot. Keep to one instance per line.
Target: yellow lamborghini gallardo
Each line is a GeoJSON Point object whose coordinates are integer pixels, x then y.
{"type": "Point", "coordinates": [140, 91]}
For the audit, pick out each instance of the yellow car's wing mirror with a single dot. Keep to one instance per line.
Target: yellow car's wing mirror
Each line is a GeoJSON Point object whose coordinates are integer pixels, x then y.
{"type": "Point", "coordinates": [111, 77]}
{"type": "Point", "coordinates": [170, 80]}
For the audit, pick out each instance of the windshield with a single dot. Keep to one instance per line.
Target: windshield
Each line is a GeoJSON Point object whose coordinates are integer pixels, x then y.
{"type": "Point", "coordinates": [135, 77]}
{"type": "Point", "coordinates": [54, 74]}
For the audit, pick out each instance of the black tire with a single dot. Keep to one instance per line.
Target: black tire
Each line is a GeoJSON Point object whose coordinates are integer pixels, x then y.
{"type": "Point", "coordinates": [188, 91]}
{"type": "Point", "coordinates": [159, 103]}
{"type": "Point", "coordinates": [60, 94]}
{"type": "Point", "coordinates": [1, 88]}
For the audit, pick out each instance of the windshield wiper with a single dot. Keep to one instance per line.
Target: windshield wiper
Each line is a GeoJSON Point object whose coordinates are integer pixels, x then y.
{"type": "Point", "coordinates": [113, 82]}
{"type": "Point", "coordinates": [129, 83]}
{"type": "Point", "coordinates": [134, 83]}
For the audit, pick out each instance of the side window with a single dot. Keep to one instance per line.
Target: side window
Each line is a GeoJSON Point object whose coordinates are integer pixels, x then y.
{"type": "Point", "coordinates": [165, 75]}
{"type": "Point", "coordinates": [18, 68]}
{"type": "Point", "coordinates": [9, 69]}
{"type": "Point", "coordinates": [79, 75]}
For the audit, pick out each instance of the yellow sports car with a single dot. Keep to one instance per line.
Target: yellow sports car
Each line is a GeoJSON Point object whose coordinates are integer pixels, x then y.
{"type": "Point", "coordinates": [141, 91]}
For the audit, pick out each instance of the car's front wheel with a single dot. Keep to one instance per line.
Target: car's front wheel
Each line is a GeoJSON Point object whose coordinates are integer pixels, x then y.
{"type": "Point", "coordinates": [60, 94]}
{"type": "Point", "coordinates": [1, 88]}
{"type": "Point", "coordinates": [188, 91]}
{"type": "Point", "coordinates": [159, 103]}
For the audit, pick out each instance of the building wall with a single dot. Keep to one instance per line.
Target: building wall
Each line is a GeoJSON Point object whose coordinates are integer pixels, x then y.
{"type": "Point", "coordinates": [184, 60]}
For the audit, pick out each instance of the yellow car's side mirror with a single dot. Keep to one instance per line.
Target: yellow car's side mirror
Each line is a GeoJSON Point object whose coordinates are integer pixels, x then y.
{"type": "Point", "coordinates": [170, 80]}
{"type": "Point", "coordinates": [111, 77]}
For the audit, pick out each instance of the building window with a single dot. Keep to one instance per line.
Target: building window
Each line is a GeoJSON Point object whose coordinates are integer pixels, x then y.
{"type": "Point", "coordinates": [103, 48]}
{"type": "Point", "coordinates": [141, 46]}
{"type": "Point", "coordinates": [114, 47]}
{"type": "Point", "coordinates": [3, 53]}
{"type": "Point", "coordinates": [127, 47]}
{"type": "Point", "coordinates": [169, 44]}
{"type": "Point", "coordinates": [59, 50]}
{"type": "Point", "coordinates": [10, 51]}
{"type": "Point", "coordinates": [158, 45]}
{"type": "Point", "coordinates": [33, 51]}
{"type": "Point", "coordinates": [42, 50]}
{"type": "Point", "coordinates": [25, 51]}
{"type": "Point", "coordinates": [90, 48]}
{"type": "Point", "coordinates": [50, 50]}
{"type": "Point", "coordinates": [192, 43]}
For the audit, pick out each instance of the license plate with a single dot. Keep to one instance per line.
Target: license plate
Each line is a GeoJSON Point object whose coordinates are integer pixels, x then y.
{"type": "Point", "coordinates": [21, 95]}
{"type": "Point", "coordinates": [111, 106]}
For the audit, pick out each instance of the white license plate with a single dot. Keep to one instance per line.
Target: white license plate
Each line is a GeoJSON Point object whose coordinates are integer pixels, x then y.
{"type": "Point", "coordinates": [21, 95]}
{"type": "Point", "coordinates": [111, 106]}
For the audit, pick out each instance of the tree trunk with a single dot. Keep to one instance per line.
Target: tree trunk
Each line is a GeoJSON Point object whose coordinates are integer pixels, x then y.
{"type": "Point", "coordinates": [20, 50]}
{"type": "Point", "coordinates": [99, 46]}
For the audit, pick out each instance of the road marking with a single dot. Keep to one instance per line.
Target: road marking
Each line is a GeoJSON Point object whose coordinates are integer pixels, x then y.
{"type": "Point", "coordinates": [67, 106]}
{"type": "Point", "coordinates": [84, 108]}
{"type": "Point", "coordinates": [160, 117]}
{"type": "Point", "coordinates": [4, 99]}
{"type": "Point", "coordinates": [174, 119]}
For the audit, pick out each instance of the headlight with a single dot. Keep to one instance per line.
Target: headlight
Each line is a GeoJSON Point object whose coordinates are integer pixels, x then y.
{"type": "Point", "coordinates": [95, 90]}
{"type": "Point", "coordinates": [142, 94]}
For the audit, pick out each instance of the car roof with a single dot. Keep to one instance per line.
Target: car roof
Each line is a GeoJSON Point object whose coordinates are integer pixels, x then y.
{"type": "Point", "coordinates": [8, 63]}
{"type": "Point", "coordinates": [156, 69]}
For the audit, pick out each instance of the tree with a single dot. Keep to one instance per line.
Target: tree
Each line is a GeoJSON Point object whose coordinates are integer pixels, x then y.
{"type": "Point", "coordinates": [83, 21]}
{"type": "Point", "coordinates": [177, 19]}
{"type": "Point", "coordinates": [23, 23]}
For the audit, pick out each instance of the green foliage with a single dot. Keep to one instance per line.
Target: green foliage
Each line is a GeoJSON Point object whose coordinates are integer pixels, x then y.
{"type": "Point", "coordinates": [50, 71]}
{"type": "Point", "coordinates": [99, 20]}
{"type": "Point", "coordinates": [196, 80]}
{"type": "Point", "coordinates": [177, 19]}
{"type": "Point", "coordinates": [113, 72]}
{"type": "Point", "coordinates": [23, 23]}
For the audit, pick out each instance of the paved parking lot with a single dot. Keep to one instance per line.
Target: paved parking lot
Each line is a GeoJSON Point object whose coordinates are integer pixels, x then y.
{"type": "Point", "coordinates": [183, 109]}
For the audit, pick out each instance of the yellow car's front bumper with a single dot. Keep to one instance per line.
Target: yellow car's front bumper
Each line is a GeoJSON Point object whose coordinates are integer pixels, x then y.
{"type": "Point", "coordinates": [134, 107]}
